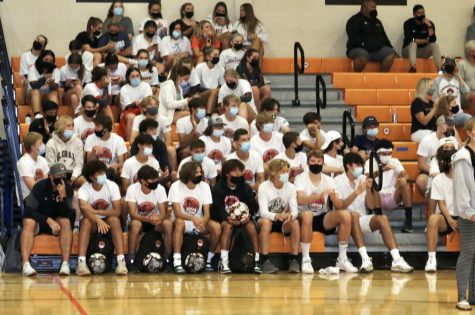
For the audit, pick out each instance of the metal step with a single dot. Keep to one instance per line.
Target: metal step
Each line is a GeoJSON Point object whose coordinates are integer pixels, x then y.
{"type": "Point", "coordinates": [304, 79]}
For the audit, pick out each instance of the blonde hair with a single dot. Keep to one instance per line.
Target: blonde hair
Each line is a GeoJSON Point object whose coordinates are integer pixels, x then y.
{"type": "Point", "coordinates": [422, 87]}
{"type": "Point", "coordinates": [443, 106]}
{"type": "Point", "coordinates": [231, 73]}
{"type": "Point", "coordinates": [315, 153]}
{"type": "Point", "coordinates": [148, 101]}
{"type": "Point", "coordinates": [61, 123]}
{"type": "Point", "coordinates": [263, 118]}
{"type": "Point", "coordinates": [30, 140]}
{"type": "Point", "coordinates": [231, 99]}
{"type": "Point", "coordinates": [198, 31]}
{"type": "Point", "coordinates": [277, 165]}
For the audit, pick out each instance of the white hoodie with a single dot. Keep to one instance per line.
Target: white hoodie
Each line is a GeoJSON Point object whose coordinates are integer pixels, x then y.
{"type": "Point", "coordinates": [170, 99]}
{"type": "Point", "coordinates": [463, 184]}
{"type": "Point", "coordinates": [70, 153]}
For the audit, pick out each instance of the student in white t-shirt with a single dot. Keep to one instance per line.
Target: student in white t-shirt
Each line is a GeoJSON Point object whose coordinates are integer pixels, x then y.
{"type": "Point", "coordinates": [191, 201]}
{"type": "Point", "coordinates": [357, 195]}
{"type": "Point", "coordinates": [444, 221]}
{"type": "Point", "coordinates": [278, 212]}
{"type": "Point", "coordinates": [293, 155]}
{"type": "Point", "coordinates": [207, 77]}
{"type": "Point", "coordinates": [242, 89]}
{"type": "Point", "coordinates": [72, 77]}
{"type": "Point", "coordinates": [218, 147]}
{"type": "Point", "coordinates": [172, 102]}
{"type": "Point", "coordinates": [272, 106]}
{"type": "Point", "coordinates": [175, 45]}
{"type": "Point", "coordinates": [231, 119]}
{"type": "Point", "coordinates": [268, 143]}
{"type": "Point", "coordinates": [100, 88]}
{"type": "Point", "coordinates": [312, 136]}
{"type": "Point", "coordinates": [155, 14]}
{"type": "Point", "coordinates": [149, 41]}
{"type": "Point", "coordinates": [333, 160]}
{"type": "Point", "coordinates": [253, 165]}
{"type": "Point", "coordinates": [208, 167]}
{"type": "Point", "coordinates": [230, 58]}
{"type": "Point", "coordinates": [32, 167]}
{"type": "Point", "coordinates": [117, 71]}
{"type": "Point", "coordinates": [99, 201]}
{"type": "Point", "coordinates": [191, 126]}
{"type": "Point", "coordinates": [87, 58]}
{"type": "Point", "coordinates": [148, 71]}
{"type": "Point", "coordinates": [28, 58]}
{"type": "Point", "coordinates": [149, 109]}
{"type": "Point", "coordinates": [83, 124]}
{"type": "Point", "coordinates": [221, 23]}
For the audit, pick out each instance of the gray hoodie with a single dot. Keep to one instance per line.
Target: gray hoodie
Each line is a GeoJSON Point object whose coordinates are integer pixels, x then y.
{"type": "Point", "coordinates": [70, 153]}
{"type": "Point", "coordinates": [463, 184]}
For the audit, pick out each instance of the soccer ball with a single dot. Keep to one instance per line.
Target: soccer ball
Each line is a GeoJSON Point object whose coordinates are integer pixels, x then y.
{"type": "Point", "coordinates": [97, 263]}
{"type": "Point", "coordinates": [195, 262]}
{"type": "Point", "coordinates": [153, 262]}
{"type": "Point", "coordinates": [239, 211]}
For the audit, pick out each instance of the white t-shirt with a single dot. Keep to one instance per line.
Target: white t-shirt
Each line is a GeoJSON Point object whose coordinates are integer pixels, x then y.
{"type": "Point", "coordinates": [163, 125]}
{"type": "Point", "coordinates": [449, 87]}
{"type": "Point", "coordinates": [231, 126]}
{"type": "Point", "coordinates": [147, 204]}
{"type": "Point", "coordinates": [303, 183]}
{"type": "Point", "coordinates": [117, 73]}
{"type": "Point", "coordinates": [230, 58]}
{"type": "Point", "coordinates": [273, 200]}
{"type": "Point", "coordinates": [27, 167]}
{"type": "Point", "coordinates": [429, 145]}
{"type": "Point", "coordinates": [113, 147]}
{"type": "Point", "coordinates": [434, 166]}
{"type": "Point", "coordinates": [305, 136]}
{"type": "Point", "coordinates": [67, 74]}
{"type": "Point", "coordinates": [96, 92]}
{"type": "Point", "coordinates": [207, 78]}
{"type": "Point", "coordinates": [184, 125]}
{"type": "Point", "coordinates": [34, 75]}
{"type": "Point", "coordinates": [259, 31]}
{"type": "Point", "coordinates": [242, 88]}
{"type": "Point", "coordinates": [342, 184]}
{"type": "Point", "coordinates": [442, 189]}
{"type": "Point", "coordinates": [150, 77]}
{"type": "Point", "coordinates": [268, 150]}
{"type": "Point", "coordinates": [280, 123]}
{"type": "Point", "coordinates": [333, 162]}
{"type": "Point", "coordinates": [161, 25]}
{"type": "Point", "coordinates": [83, 128]}
{"type": "Point", "coordinates": [27, 60]}
{"type": "Point", "coordinates": [191, 200]}
{"type": "Point", "coordinates": [217, 151]}
{"type": "Point", "coordinates": [300, 160]}
{"type": "Point", "coordinates": [130, 94]}
{"type": "Point", "coordinates": [389, 177]}
{"type": "Point", "coordinates": [252, 166]}
{"type": "Point", "coordinates": [102, 199]}
{"type": "Point", "coordinates": [209, 168]}
{"type": "Point", "coordinates": [172, 47]}
{"type": "Point", "coordinates": [87, 61]}
{"type": "Point", "coordinates": [132, 166]}
{"type": "Point", "coordinates": [140, 42]}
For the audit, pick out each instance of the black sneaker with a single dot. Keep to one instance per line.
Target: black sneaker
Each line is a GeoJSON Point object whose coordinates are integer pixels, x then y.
{"type": "Point", "coordinates": [412, 70]}
{"type": "Point", "coordinates": [179, 269]}
{"type": "Point", "coordinates": [132, 268]}
{"type": "Point", "coordinates": [407, 228]}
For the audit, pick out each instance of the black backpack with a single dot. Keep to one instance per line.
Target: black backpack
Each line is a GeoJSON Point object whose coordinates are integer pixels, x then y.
{"type": "Point", "coordinates": [194, 252]}
{"type": "Point", "coordinates": [100, 253]}
{"type": "Point", "coordinates": [13, 261]}
{"type": "Point", "coordinates": [150, 245]}
{"type": "Point", "coordinates": [241, 254]}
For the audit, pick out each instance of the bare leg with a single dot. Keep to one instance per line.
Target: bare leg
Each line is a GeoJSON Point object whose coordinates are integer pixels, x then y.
{"type": "Point", "coordinates": [117, 238]}
{"type": "Point", "coordinates": [435, 224]}
{"type": "Point", "coordinates": [134, 233]}
{"type": "Point", "coordinates": [34, 99]}
{"type": "Point", "coordinates": [27, 238]}
{"type": "Point", "coordinates": [167, 228]}
{"type": "Point", "coordinates": [178, 235]}
{"type": "Point", "coordinates": [387, 63]}
{"type": "Point", "coordinates": [359, 63]}
{"type": "Point", "coordinates": [380, 222]}
{"type": "Point", "coordinates": [356, 232]}
{"type": "Point", "coordinates": [180, 114]}
{"type": "Point", "coordinates": [172, 158]}
{"type": "Point", "coordinates": [214, 229]}
{"type": "Point", "coordinates": [85, 234]}
{"type": "Point", "coordinates": [251, 229]}
{"type": "Point", "coordinates": [129, 118]}
{"type": "Point", "coordinates": [264, 235]}
{"type": "Point", "coordinates": [294, 229]}
{"type": "Point", "coordinates": [65, 237]}
{"type": "Point", "coordinates": [421, 183]}
{"type": "Point", "coordinates": [227, 231]}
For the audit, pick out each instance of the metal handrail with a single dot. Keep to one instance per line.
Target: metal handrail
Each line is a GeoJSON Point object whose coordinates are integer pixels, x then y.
{"type": "Point", "coordinates": [348, 119]}
{"type": "Point", "coordinates": [374, 157]}
{"type": "Point", "coordinates": [298, 69]}
{"type": "Point", "coordinates": [320, 102]}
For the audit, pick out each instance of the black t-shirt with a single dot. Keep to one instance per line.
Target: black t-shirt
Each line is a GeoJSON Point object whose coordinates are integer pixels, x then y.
{"type": "Point", "coordinates": [412, 31]}
{"type": "Point", "coordinates": [365, 33]}
{"type": "Point", "coordinates": [37, 125]}
{"type": "Point", "coordinates": [184, 28]}
{"type": "Point", "coordinates": [418, 106]}
{"type": "Point", "coordinates": [84, 39]}
{"type": "Point", "coordinates": [364, 144]}
{"type": "Point", "coordinates": [223, 197]}
{"type": "Point", "coordinates": [255, 78]}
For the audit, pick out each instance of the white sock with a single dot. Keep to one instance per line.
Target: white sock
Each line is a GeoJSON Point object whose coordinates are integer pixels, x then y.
{"type": "Point", "coordinates": [432, 255]}
{"type": "Point", "coordinates": [177, 259]}
{"type": "Point", "coordinates": [305, 250]}
{"type": "Point", "coordinates": [82, 258]}
{"type": "Point", "coordinates": [210, 256]}
{"type": "Point", "coordinates": [395, 254]}
{"type": "Point", "coordinates": [342, 248]}
{"type": "Point", "coordinates": [363, 253]}
{"type": "Point", "coordinates": [66, 262]}
{"type": "Point", "coordinates": [120, 258]}
{"type": "Point", "coordinates": [224, 255]}
{"type": "Point", "coordinates": [256, 257]}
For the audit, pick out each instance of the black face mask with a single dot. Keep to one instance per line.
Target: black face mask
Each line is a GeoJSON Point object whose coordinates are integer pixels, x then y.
{"type": "Point", "coordinates": [215, 60]}
{"type": "Point", "coordinates": [449, 133]}
{"type": "Point", "coordinates": [219, 14]}
{"type": "Point", "coordinates": [156, 15]}
{"type": "Point", "coordinates": [96, 33]}
{"type": "Point", "coordinates": [196, 180]}
{"type": "Point", "coordinates": [51, 119]}
{"type": "Point", "coordinates": [37, 45]}
{"type": "Point", "coordinates": [189, 14]}
{"type": "Point", "coordinates": [48, 67]}
{"type": "Point", "coordinates": [152, 111]}
{"type": "Point", "coordinates": [152, 186]}
{"type": "Point", "coordinates": [90, 113]}
{"type": "Point", "coordinates": [373, 13]}
{"type": "Point", "coordinates": [237, 180]}
{"type": "Point", "coordinates": [449, 69]}
{"type": "Point", "coordinates": [315, 168]}
{"type": "Point", "coordinates": [445, 162]}
{"type": "Point", "coordinates": [100, 134]}
{"type": "Point", "coordinates": [58, 181]}
{"type": "Point", "coordinates": [242, 18]}
{"type": "Point", "coordinates": [231, 85]}
{"type": "Point", "coordinates": [299, 148]}
{"type": "Point", "coordinates": [237, 46]}
{"type": "Point", "coordinates": [149, 35]}
{"type": "Point", "coordinates": [420, 18]}
{"type": "Point", "coordinates": [454, 110]}
{"type": "Point", "coordinates": [255, 63]}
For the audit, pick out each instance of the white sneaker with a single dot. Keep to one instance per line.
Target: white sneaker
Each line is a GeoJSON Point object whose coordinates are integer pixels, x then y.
{"type": "Point", "coordinates": [64, 271]}
{"type": "Point", "coordinates": [346, 265]}
{"type": "Point", "coordinates": [224, 266]}
{"type": "Point", "coordinates": [307, 266]}
{"type": "Point", "coordinates": [463, 306]}
{"type": "Point", "coordinates": [401, 266]}
{"type": "Point", "coordinates": [121, 268]}
{"type": "Point", "coordinates": [82, 269]}
{"type": "Point", "coordinates": [28, 271]}
{"type": "Point", "coordinates": [366, 266]}
{"type": "Point", "coordinates": [431, 265]}
{"type": "Point", "coordinates": [38, 116]}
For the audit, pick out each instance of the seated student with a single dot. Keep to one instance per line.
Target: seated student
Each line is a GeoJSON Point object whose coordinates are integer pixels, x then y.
{"type": "Point", "coordinates": [332, 147]}
{"type": "Point", "coordinates": [175, 46]}
{"type": "Point", "coordinates": [187, 23]}
{"type": "Point", "coordinates": [155, 15]}
{"type": "Point", "coordinates": [148, 41]}
{"type": "Point", "coordinates": [221, 23]}
{"type": "Point", "coordinates": [48, 210]}
{"type": "Point", "coordinates": [422, 111]}
{"type": "Point", "coordinates": [250, 70]}
{"type": "Point", "coordinates": [83, 124]}
{"type": "Point", "coordinates": [217, 146]}
{"type": "Point", "coordinates": [32, 167]}
{"type": "Point", "coordinates": [147, 204]}
{"type": "Point", "coordinates": [192, 126]}
{"type": "Point", "coordinates": [230, 189]}
{"type": "Point", "coordinates": [447, 144]}
{"type": "Point", "coordinates": [66, 148]}
{"type": "Point", "coordinates": [99, 200]}
{"type": "Point", "coordinates": [366, 143]}
{"type": "Point", "coordinates": [72, 77]}
{"type": "Point", "coordinates": [230, 57]}
{"type": "Point", "coordinates": [100, 88]}
{"type": "Point", "coordinates": [367, 40]}
{"type": "Point", "coordinates": [253, 165]}
{"type": "Point", "coordinates": [172, 102]}
{"type": "Point", "coordinates": [131, 95]}
{"type": "Point", "coordinates": [149, 71]}
{"type": "Point", "coordinates": [231, 120]}
{"type": "Point", "coordinates": [278, 213]}
{"type": "Point", "coordinates": [89, 39]}
{"type": "Point", "coordinates": [272, 106]}
{"type": "Point", "coordinates": [312, 136]}
{"type": "Point", "coordinates": [28, 58]}
{"type": "Point", "coordinates": [44, 125]}
{"type": "Point", "coordinates": [113, 34]}
{"type": "Point", "coordinates": [207, 77]}
{"type": "Point", "coordinates": [204, 37]}
{"type": "Point", "coordinates": [115, 15]}
{"type": "Point", "coordinates": [396, 188]}
{"type": "Point", "coordinates": [44, 79]}
{"type": "Point", "coordinates": [242, 89]}
{"type": "Point", "coordinates": [293, 154]}
{"type": "Point", "coordinates": [87, 58]}
{"type": "Point", "coordinates": [117, 73]}
{"type": "Point", "coordinates": [191, 201]}
{"type": "Point", "coordinates": [268, 143]}
{"type": "Point", "coordinates": [106, 146]}
{"type": "Point", "coordinates": [185, 85]}
{"type": "Point", "coordinates": [208, 167]}
{"type": "Point", "coordinates": [420, 39]}
{"type": "Point", "coordinates": [444, 221]}
{"type": "Point", "coordinates": [357, 195]}
{"type": "Point", "coordinates": [470, 34]}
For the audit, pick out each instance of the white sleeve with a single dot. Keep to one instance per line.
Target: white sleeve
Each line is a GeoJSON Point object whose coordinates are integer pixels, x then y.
{"type": "Point", "coordinates": [195, 77]}
{"type": "Point", "coordinates": [33, 75]}
{"type": "Point", "coordinates": [57, 76]}
{"type": "Point", "coordinates": [121, 147]}
{"type": "Point", "coordinates": [154, 77]}
{"type": "Point", "coordinates": [180, 125]}
{"type": "Point", "coordinates": [222, 61]}
{"type": "Point", "coordinates": [213, 171]}
{"type": "Point", "coordinates": [130, 195]}
{"type": "Point", "coordinates": [221, 75]}
{"type": "Point", "coordinates": [88, 144]}
{"type": "Point", "coordinates": [126, 170]}
{"type": "Point", "coordinates": [23, 65]}
{"type": "Point", "coordinates": [161, 194]}
{"type": "Point", "coordinates": [434, 166]}
{"type": "Point", "coordinates": [124, 97]}
{"type": "Point", "coordinates": [147, 90]}
{"type": "Point", "coordinates": [136, 124]}
{"type": "Point", "coordinates": [207, 198]}
{"type": "Point", "coordinates": [173, 194]}
{"type": "Point", "coordinates": [165, 47]}
{"type": "Point", "coordinates": [115, 191]}
{"type": "Point", "coordinates": [83, 194]}
{"type": "Point", "coordinates": [164, 125]}
{"type": "Point", "coordinates": [135, 46]}
{"type": "Point", "coordinates": [50, 154]}
{"type": "Point", "coordinates": [260, 165]}
{"type": "Point", "coordinates": [222, 93]}
{"type": "Point", "coordinates": [261, 33]}
{"type": "Point", "coordinates": [293, 206]}
{"type": "Point", "coordinates": [25, 169]}
{"type": "Point", "coordinates": [437, 190]}
{"type": "Point", "coordinates": [62, 74]}
{"type": "Point", "coordinates": [263, 205]}
{"type": "Point", "coordinates": [79, 158]}
{"type": "Point", "coordinates": [188, 46]}
{"type": "Point", "coordinates": [299, 182]}
{"type": "Point", "coordinates": [423, 150]}
{"type": "Point", "coordinates": [245, 86]}
{"type": "Point", "coordinates": [398, 166]}
{"type": "Point", "coordinates": [169, 98]}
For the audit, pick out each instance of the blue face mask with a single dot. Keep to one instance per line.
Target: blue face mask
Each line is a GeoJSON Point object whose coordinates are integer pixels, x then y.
{"type": "Point", "coordinates": [176, 34]}
{"type": "Point", "coordinates": [268, 128]}
{"type": "Point", "coordinates": [218, 133]}
{"type": "Point", "coordinates": [143, 62]}
{"type": "Point", "coordinates": [198, 157]}
{"type": "Point", "coordinates": [185, 87]}
{"type": "Point", "coordinates": [357, 171]}
{"type": "Point", "coordinates": [42, 149]}
{"type": "Point", "coordinates": [68, 133]}
{"type": "Point", "coordinates": [118, 11]}
{"type": "Point", "coordinates": [284, 177]}
{"type": "Point", "coordinates": [101, 179]}
{"type": "Point", "coordinates": [245, 146]}
{"type": "Point", "coordinates": [234, 111]}
{"type": "Point", "coordinates": [200, 113]}
{"type": "Point", "coordinates": [135, 82]}
{"type": "Point", "coordinates": [372, 132]}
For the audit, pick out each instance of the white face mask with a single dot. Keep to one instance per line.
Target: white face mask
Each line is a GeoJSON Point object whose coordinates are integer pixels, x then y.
{"type": "Point", "coordinates": [385, 159]}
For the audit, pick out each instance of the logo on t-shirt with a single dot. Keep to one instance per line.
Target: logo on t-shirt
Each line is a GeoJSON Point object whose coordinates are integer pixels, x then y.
{"type": "Point", "coordinates": [317, 205]}
{"type": "Point", "coordinates": [38, 175]}
{"type": "Point", "coordinates": [100, 204]}
{"type": "Point", "coordinates": [86, 133]}
{"type": "Point", "coordinates": [269, 155]}
{"type": "Point", "coordinates": [106, 156]}
{"type": "Point", "coordinates": [216, 156]}
{"type": "Point", "coordinates": [191, 205]}
{"type": "Point", "coordinates": [229, 201]}
{"type": "Point", "coordinates": [293, 171]}
{"type": "Point", "coordinates": [248, 176]}
{"type": "Point", "coordinates": [145, 208]}
{"type": "Point", "coordinates": [277, 205]}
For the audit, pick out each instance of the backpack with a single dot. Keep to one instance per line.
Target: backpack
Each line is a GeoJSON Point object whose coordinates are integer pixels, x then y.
{"type": "Point", "coordinates": [241, 254]}
{"type": "Point", "coordinates": [150, 254]}
{"type": "Point", "coordinates": [13, 261]}
{"type": "Point", "coordinates": [100, 253]}
{"type": "Point", "coordinates": [194, 252]}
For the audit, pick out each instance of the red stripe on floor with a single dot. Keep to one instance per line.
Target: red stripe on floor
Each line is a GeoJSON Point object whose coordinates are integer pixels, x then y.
{"type": "Point", "coordinates": [73, 300]}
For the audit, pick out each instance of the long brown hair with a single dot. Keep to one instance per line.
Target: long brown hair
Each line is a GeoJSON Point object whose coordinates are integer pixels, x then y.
{"type": "Point", "coordinates": [443, 106]}
{"type": "Point", "coordinates": [198, 31]}
{"type": "Point", "coordinates": [250, 21]}
{"type": "Point", "coordinates": [92, 22]}
{"type": "Point", "coordinates": [222, 4]}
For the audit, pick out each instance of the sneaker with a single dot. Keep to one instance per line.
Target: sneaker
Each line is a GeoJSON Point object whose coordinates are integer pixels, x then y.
{"type": "Point", "coordinates": [407, 228]}
{"type": "Point", "coordinates": [294, 266]}
{"type": "Point", "coordinates": [38, 116]}
{"type": "Point", "coordinates": [366, 266]}
{"type": "Point", "coordinates": [64, 270]}
{"type": "Point", "coordinates": [28, 271]}
{"type": "Point", "coordinates": [412, 69]}
{"type": "Point", "coordinates": [179, 269]}
{"type": "Point", "coordinates": [431, 265]}
{"type": "Point", "coordinates": [132, 268]}
{"type": "Point", "coordinates": [307, 266]}
{"type": "Point", "coordinates": [463, 306]}
{"type": "Point", "coordinates": [82, 269]}
{"type": "Point", "coordinates": [224, 266]}
{"type": "Point", "coordinates": [401, 266]}
{"type": "Point", "coordinates": [121, 268]}
{"type": "Point", "coordinates": [209, 268]}
{"type": "Point", "coordinates": [257, 268]}
{"type": "Point", "coordinates": [268, 267]}
{"type": "Point", "coordinates": [346, 265]}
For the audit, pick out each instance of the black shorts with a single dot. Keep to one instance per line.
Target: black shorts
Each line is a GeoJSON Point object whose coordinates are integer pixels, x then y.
{"type": "Point", "coordinates": [44, 228]}
{"type": "Point", "coordinates": [317, 225]}
{"type": "Point", "coordinates": [277, 227]}
{"type": "Point", "coordinates": [449, 228]}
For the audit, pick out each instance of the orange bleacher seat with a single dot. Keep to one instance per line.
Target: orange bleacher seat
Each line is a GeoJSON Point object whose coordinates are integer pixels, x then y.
{"type": "Point", "coordinates": [174, 134]}
{"type": "Point", "coordinates": [16, 79]}
{"type": "Point", "coordinates": [394, 96]}
{"type": "Point", "coordinates": [330, 65]}
{"type": "Point", "coordinates": [411, 168]}
{"type": "Point", "coordinates": [317, 245]}
{"type": "Point", "coordinates": [395, 132]}
{"type": "Point", "coordinates": [405, 151]}
{"type": "Point", "coordinates": [383, 113]}
{"type": "Point", "coordinates": [380, 81]}
{"type": "Point", "coordinates": [65, 110]}
{"type": "Point", "coordinates": [15, 64]}
{"type": "Point", "coordinates": [23, 130]}
{"type": "Point", "coordinates": [453, 242]}
{"type": "Point", "coordinates": [361, 96]}
{"type": "Point", "coordinates": [349, 80]}
{"type": "Point", "coordinates": [22, 112]}
{"type": "Point", "coordinates": [410, 80]}
{"type": "Point", "coordinates": [60, 61]}
{"type": "Point", "coordinates": [286, 65]}
{"type": "Point", "coordinates": [19, 96]}
{"type": "Point", "coordinates": [417, 197]}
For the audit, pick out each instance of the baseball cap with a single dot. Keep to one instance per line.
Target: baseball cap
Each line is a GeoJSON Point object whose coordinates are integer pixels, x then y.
{"type": "Point", "coordinates": [57, 169]}
{"type": "Point", "coordinates": [445, 120]}
{"type": "Point", "coordinates": [370, 120]}
{"type": "Point", "coordinates": [452, 140]}
{"type": "Point", "coordinates": [330, 136]}
{"type": "Point", "coordinates": [215, 120]}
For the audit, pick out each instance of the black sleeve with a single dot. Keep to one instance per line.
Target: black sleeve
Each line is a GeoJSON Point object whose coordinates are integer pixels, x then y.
{"type": "Point", "coordinates": [433, 38]}
{"type": "Point", "coordinates": [38, 83]}
{"type": "Point", "coordinates": [246, 97]}
{"type": "Point", "coordinates": [218, 210]}
{"type": "Point", "coordinates": [163, 155]}
{"type": "Point", "coordinates": [352, 30]}
{"type": "Point", "coordinates": [386, 38]}
{"type": "Point", "coordinates": [251, 200]}
{"type": "Point", "coordinates": [416, 107]}
{"type": "Point", "coordinates": [33, 204]}
{"type": "Point", "coordinates": [408, 37]}
{"type": "Point", "coordinates": [358, 143]}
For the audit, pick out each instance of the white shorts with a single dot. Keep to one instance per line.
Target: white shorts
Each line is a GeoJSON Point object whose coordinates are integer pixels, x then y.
{"type": "Point", "coordinates": [364, 223]}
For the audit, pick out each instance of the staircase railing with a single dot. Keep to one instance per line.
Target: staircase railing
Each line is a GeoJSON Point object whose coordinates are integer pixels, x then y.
{"type": "Point", "coordinates": [320, 101]}
{"type": "Point", "coordinates": [348, 120]}
{"type": "Point", "coordinates": [372, 158]}
{"type": "Point", "coordinates": [298, 69]}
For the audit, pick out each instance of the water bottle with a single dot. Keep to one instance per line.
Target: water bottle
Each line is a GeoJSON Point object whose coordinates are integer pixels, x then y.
{"type": "Point", "coordinates": [28, 118]}
{"type": "Point", "coordinates": [394, 116]}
